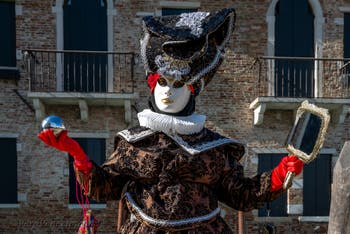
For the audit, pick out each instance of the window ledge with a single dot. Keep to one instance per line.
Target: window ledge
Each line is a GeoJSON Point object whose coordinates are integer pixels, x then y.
{"type": "Point", "coordinates": [9, 73]}
{"type": "Point", "coordinates": [310, 219]}
{"type": "Point", "coordinates": [9, 206]}
{"type": "Point", "coordinates": [83, 100]}
{"type": "Point", "coordinates": [274, 219]}
{"type": "Point", "coordinates": [338, 108]}
{"type": "Point", "coordinates": [315, 219]}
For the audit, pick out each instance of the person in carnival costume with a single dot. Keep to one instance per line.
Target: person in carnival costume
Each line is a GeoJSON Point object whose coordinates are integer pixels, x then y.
{"type": "Point", "coordinates": [170, 172]}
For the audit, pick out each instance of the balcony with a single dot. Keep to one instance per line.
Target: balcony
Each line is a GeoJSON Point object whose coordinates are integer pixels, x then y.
{"type": "Point", "coordinates": [284, 82]}
{"type": "Point", "coordinates": [83, 78]}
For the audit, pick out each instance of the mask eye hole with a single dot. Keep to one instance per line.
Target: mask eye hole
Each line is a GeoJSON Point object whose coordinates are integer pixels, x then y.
{"type": "Point", "coordinates": [162, 82]}
{"type": "Point", "coordinates": [178, 84]}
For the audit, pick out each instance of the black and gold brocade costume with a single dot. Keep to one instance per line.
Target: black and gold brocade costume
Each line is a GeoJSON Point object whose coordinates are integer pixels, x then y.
{"type": "Point", "coordinates": [169, 183]}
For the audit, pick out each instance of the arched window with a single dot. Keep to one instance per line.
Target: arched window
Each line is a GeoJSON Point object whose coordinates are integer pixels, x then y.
{"type": "Point", "coordinates": [311, 11]}
{"type": "Point", "coordinates": [294, 37]}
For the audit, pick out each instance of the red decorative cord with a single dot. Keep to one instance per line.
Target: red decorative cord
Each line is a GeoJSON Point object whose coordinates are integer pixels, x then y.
{"type": "Point", "coordinates": [90, 223]}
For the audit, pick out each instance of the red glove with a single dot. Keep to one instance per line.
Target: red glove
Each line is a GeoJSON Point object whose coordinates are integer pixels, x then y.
{"type": "Point", "coordinates": [65, 143]}
{"type": "Point", "coordinates": [288, 163]}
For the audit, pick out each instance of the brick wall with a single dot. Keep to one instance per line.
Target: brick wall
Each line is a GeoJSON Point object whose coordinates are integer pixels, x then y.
{"type": "Point", "coordinates": [42, 173]}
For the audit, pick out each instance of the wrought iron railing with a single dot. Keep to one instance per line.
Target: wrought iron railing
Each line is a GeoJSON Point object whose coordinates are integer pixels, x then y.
{"type": "Point", "coordinates": [302, 77]}
{"type": "Point", "coordinates": [80, 71]}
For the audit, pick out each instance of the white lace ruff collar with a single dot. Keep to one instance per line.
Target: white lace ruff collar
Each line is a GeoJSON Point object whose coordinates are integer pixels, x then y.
{"type": "Point", "coordinates": [183, 125]}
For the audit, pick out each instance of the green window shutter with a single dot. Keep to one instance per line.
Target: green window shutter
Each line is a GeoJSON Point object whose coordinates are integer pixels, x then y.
{"type": "Point", "coordinates": [347, 35]}
{"type": "Point", "coordinates": [85, 28]}
{"type": "Point", "coordinates": [8, 34]}
{"type": "Point", "coordinates": [95, 148]}
{"type": "Point", "coordinates": [176, 11]}
{"type": "Point", "coordinates": [317, 186]}
{"type": "Point", "coordinates": [294, 37]}
{"type": "Point", "coordinates": [278, 207]}
{"type": "Point", "coordinates": [8, 171]}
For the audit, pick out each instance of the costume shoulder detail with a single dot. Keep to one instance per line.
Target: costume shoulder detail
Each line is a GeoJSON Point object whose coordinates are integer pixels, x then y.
{"type": "Point", "coordinates": [135, 134]}
{"type": "Point", "coordinates": [207, 140]}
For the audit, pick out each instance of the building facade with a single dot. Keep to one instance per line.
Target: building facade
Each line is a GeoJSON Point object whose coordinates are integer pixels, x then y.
{"type": "Point", "coordinates": [80, 60]}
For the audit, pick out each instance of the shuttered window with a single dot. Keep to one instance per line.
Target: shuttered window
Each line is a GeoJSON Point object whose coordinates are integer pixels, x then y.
{"type": "Point", "coordinates": [294, 37]}
{"type": "Point", "coordinates": [277, 207]}
{"type": "Point", "coordinates": [346, 42]}
{"type": "Point", "coordinates": [347, 35]}
{"type": "Point", "coordinates": [85, 29]}
{"type": "Point", "coordinates": [8, 40]}
{"type": "Point", "coordinates": [8, 171]}
{"type": "Point", "coordinates": [317, 186]}
{"type": "Point", "coordinates": [8, 34]}
{"type": "Point", "coordinates": [95, 148]}
{"type": "Point", "coordinates": [176, 11]}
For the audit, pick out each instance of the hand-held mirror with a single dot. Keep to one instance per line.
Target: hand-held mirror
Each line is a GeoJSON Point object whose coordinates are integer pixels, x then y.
{"type": "Point", "coordinates": [307, 135]}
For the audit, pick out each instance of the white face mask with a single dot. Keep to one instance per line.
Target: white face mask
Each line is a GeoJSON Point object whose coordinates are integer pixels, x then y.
{"type": "Point", "coordinates": [171, 96]}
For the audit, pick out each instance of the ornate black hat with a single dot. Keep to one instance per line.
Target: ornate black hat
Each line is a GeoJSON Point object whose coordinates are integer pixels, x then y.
{"type": "Point", "coordinates": [188, 47]}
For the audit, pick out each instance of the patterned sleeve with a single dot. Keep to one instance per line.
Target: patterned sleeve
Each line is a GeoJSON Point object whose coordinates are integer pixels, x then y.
{"type": "Point", "coordinates": [243, 193]}
{"type": "Point", "coordinates": [103, 183]}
